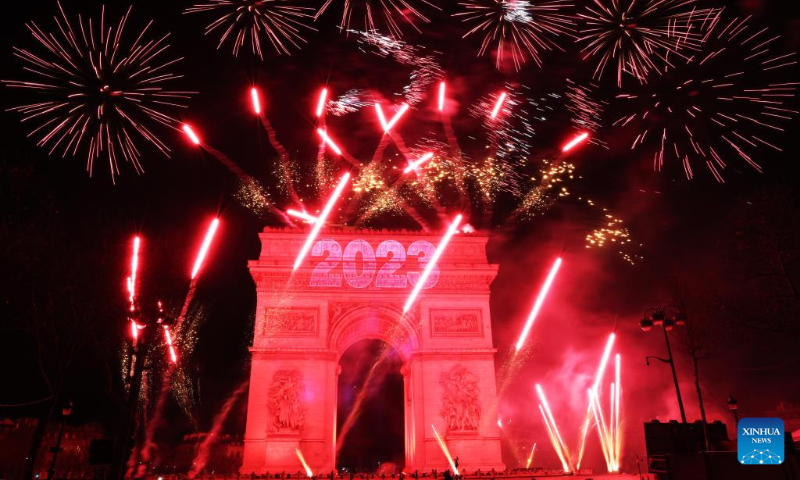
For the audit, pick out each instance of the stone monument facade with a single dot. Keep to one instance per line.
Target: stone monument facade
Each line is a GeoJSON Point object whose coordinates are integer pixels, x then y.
{"type": "Point", "coordinates": [352, 286]}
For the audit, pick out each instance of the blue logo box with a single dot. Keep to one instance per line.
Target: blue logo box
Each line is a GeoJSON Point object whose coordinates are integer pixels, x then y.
{"type": "Point", "coordinates": [760, 441]}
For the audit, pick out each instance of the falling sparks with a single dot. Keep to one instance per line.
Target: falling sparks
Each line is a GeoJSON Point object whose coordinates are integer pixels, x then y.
{"type": "Point", "coordinates": [321, 219]}
{"type": "Point", "coordinates": [425, 69]}
{"type": "Point", "coordinates": [280, 22]}
{"type": "Point", "coordinates": [201, 254]}
{"type": "Point", "coordinates": [526, 28]}
{"type": "Point", "coordinates": [730, 98]}
{"type": "Point", "coordinates": [101, 93]}
{"type": "Point", "coordinates": [451, 230]}
{"type": "Point", "coordinates": [538, 304]}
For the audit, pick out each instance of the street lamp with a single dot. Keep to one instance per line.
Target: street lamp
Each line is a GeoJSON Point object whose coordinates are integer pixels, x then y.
{"type": "Point", "coordinates": [734, 408]}
{"type": "Point", "coordinates": [65, 412]}
{"type": "Point", "coordinates": [657, 317]}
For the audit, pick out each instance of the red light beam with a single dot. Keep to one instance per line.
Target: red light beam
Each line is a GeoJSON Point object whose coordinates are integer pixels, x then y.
{"type": "Point", "coordinates": [432, 262]}
{"type": "Point", "coordinates": [561, 449]}
{"type": "Point", "coordinates": [323, 99]}
{"type": "Point", "coordinates": [320, 221]}
{"type": "Point", "coordinates": [309, 473]}
{"type": "Point", "coordinates": [574, 142]}
{"type": "Point", "coordinates": [301, 215]}
{"type": "Point", "coordinates": [442, 88]}
{"type": "Point", "coordinates": [538, 303]}
{"type": "Point", "coordinates": [416, 163]}
{"type": "Point", "coordinates": [498, 105]}
{"type": "Point", "coordinates": [445, 450]}
{"type": "Point", "coordinates": [189, 131]}
{"type": "Point", "coordinates": [201, 255]}
{"type": "Point", "coordinates": [322, 133]}
{"type": "Point", "coordinates": [391, 123]}
{"type": "Point", "coordinates": [256, 101]}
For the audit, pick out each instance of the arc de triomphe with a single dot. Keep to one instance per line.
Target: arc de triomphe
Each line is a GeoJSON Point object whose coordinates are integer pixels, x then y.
{"type": "Point", "coordinates": [352, 286]}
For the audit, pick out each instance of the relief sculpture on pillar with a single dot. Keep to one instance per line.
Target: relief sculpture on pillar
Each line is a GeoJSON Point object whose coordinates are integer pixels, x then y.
{"type": "Point", "coordinates": [285, 401]}
{"type": "Point", "coordinates": [461, 409]}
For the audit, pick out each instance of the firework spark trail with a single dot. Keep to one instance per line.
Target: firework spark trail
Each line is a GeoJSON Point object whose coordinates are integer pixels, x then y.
{"type": "Point", "coordinates": [391, 123]}
{"type": "Point", "coordinates": [498, 104]}
{"type": "Point", "coordinates": [640, 34]}
{"type": "Point", "coordinates": [309, 472]}
{"type": "Point", "coordinates": [99, 89]}
{"type": "Point", "coordinates": [211, 438]}
{"type": "Point", "coordinates": [617, 440]}
{"type": "Point", "coordinates": [530, 457]}
{"type": "Point", "coordinates": [445, 450]}
{"type": "Point", "coordinates": [201, 254]}
{"type": "Point", "coordinates": [537, 305]}
{"type": "Point", "coordinates": [321, 219]}
{"type": "Point", "coordinates": [250, 193]}
{"type": "Point", "coordinates": [189, 131]}
{"type": "Point", "coordinates": [390, 9]}
{"type": "Point", "coordinates": [555, 435]}
{"type": "Point", "coordinates": [284, 165]}
{"type": "Point", "coordinates": [578, 139]}
{"type": "Point", "coordinates": [597, 380]}
{"type": "Point", "coordinates": [451, 230]}
{"type": "Point", "coordinates": [323, 100]}
{"type": "Point", "coordinates": [280, 22]}
{"type": "Point", "coordinates": [527, 28]}
{"type": "Point", "coordinates": [594, 405]}
{"type": "Point", "coordinates": [425, 68]}
{"type": "Point", "coordinates": [148, 448]}
{"type": "Point", "coordinates": [415, 164]}
{"type": "Point", "coordinates": [733, 97]}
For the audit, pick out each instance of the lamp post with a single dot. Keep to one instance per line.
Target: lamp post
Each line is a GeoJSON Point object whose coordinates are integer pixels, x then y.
{"type": "Point", "coordinates": [734, 408]}
{"type": "Point", "coordinates": [656, 317]}
{"type": "Point", "coordinates": [65, 412]}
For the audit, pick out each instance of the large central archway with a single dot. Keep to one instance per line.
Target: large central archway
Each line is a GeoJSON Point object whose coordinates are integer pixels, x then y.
{"type": "Point", "coordinates": [352, 287]}
{"type": "Point", "coordinates": [369, 414]}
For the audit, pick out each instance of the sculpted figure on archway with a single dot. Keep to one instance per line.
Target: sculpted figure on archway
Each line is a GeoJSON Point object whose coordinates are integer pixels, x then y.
{"type": "Point", "coordinates": [285, 402]}
{"type": "Point", "coordinates": [461, 409]}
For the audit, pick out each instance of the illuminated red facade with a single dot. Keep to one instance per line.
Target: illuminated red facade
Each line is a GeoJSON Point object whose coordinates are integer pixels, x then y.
{"type": "Point", "coordinates": [352, 286]}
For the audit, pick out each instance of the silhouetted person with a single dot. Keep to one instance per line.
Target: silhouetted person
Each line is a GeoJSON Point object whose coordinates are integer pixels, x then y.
{"type": "Point", "coordinates": [447, 475]}
{"type": "Point", "coordinates": [455, 462]}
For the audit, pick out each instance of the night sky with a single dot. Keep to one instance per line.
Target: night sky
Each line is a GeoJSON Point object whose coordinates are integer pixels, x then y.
{"type": "Point", "coordinates": [687, 229]}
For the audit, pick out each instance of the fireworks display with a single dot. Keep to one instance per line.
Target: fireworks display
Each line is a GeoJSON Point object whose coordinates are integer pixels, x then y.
{"type": "Point", "coordinates": [391, 14]}
{"type": "Point", "coordinates": [693, 86]}
{"type": "Point", "coordinates": [637, 36]}
{"type": "Point", "coordinates": [538, 304]}
{"type": "Point", "coordinates": [520, 27]}
{"type": "Point", "coordinates": [728, 100]}
{"type": "Point", "coordinates": [98, 92]}
{"type": "Point", "coordinates": [279, 22]}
